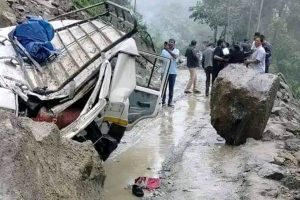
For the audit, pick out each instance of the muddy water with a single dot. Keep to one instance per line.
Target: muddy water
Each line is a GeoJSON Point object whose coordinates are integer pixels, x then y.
{"type": "Point", "coordinates": [143, 149]}
{"type": "Point", "coordinates": [143, 158]}
{"type": "Point", "coordinates": [182, 147]}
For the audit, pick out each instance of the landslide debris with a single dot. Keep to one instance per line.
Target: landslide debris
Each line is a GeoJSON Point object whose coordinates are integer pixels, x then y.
{"type": "Point", "coordinates": [36, 163]}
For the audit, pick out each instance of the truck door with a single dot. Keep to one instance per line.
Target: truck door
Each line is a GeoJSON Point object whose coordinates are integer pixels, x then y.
{"type": "Point", "coordinates": [151, 78]}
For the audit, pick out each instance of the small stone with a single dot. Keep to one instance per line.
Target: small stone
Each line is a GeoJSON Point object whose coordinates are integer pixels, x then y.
{"type": "Point", "coordinates": [271, 171]}
{"type": "Point", "coordinates": [10, 2]}
{"type": "Point", "coordinates": [277, 132]}
{"type": "Point", "coordinates": [292, 144]}
{"type": "Point", "coordinates": [284, 86]}
{"type": "Point", "coordinates": [270, 193]}
{"type": "Point", "coordinates": [7, 19]}
{"type": "Point", "coordinates": [20, 8]}
{"type": "Point", "coordinates": [156, 194]}
{"type": "Point", "coordinates": [279, 94]}
{"type": "Point", "coordinates": [54, 11]}
{"type": "Point", "coordinates": [297, 156]}
{"type": "Point", "coordinates": [55, 4]}
{"type": "Point", "coordinates": [292, 181]}
{"type": "Point", "coordinates": [278, 161]}
{"type": "Point", "coordinates": [288, 158]}
{"type": "Point", "coordinates": [22, 2]}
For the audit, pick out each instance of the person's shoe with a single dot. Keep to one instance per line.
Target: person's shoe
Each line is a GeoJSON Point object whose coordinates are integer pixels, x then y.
{"type": "Point", "coordinates": [137, 191]}
{"type": "Point", "coordinates": [197, 92]}
{"type": "Point", "coordinates": [187, 91]}
{"type": "Point", "coordinates": [163, 104]}
{"type": "Point", "coordinates": [171, 105]}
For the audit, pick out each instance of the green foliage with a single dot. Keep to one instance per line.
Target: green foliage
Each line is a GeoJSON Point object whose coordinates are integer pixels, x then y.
{"type": "Point", "coordinates": [87, 2]}
{"type": "Point", "coordinates": [286, 57]}
{"type": "Point", "coordinates": [169, 24]}
{"type": "Point", "coordinates": [279, 22]}
{"type": "Point", "coordinates": [228, 14]}
{"type": "Point", "coordinates": [211, 12]}
{"type": "Point", "coordinates": [91, 2]}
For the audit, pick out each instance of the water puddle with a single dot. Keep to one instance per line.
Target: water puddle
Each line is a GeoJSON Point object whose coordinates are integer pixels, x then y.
{"type": "Point", "coordinates": [144, 148]}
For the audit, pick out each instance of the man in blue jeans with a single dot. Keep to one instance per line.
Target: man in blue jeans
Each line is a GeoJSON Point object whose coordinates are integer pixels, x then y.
{"type": "Point", "coordinates": [172, 53]}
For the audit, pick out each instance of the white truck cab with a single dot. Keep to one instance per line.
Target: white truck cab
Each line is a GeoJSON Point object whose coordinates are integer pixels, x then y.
{"type": "Point", "coordinates": [104, 80]}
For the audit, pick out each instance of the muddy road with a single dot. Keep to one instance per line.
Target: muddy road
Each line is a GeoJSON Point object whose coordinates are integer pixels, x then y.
{"type": "Point", "coordinates": [182, 148]}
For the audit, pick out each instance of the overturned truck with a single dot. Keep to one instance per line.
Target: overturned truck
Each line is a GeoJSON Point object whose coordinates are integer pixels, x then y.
{"type": "Point", "coordinates": [103, 80]}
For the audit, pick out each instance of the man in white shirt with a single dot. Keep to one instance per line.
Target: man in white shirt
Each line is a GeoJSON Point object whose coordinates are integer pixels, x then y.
{"type": "Point", "coordinates": [258, 58]}
{"type": "Point", "coordinates": [172, 53]}
{"type": "Point", "coordinates": [256, 34]}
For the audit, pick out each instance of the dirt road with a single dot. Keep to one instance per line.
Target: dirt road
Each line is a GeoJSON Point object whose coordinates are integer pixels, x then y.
{"type": "Point", "coordinates": [182, 148]}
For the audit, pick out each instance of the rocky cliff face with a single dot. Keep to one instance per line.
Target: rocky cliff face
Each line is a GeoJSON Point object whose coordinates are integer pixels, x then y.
{"type": "Point", "coordinates": [13, 10]}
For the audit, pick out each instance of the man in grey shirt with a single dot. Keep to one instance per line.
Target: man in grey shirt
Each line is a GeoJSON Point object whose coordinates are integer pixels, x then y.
{"type": "Point", "coordinates": [207, 64]}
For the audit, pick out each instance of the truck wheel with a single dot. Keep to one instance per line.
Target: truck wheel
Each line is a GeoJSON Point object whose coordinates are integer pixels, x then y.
{"type": "Point", "coordinates": [109, 142]}
{"type": "Point", "coordinates": [105, 144]}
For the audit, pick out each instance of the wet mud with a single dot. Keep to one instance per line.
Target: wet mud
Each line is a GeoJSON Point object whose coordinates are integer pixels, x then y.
{"type": "Point", "coordinates": [182, 148]}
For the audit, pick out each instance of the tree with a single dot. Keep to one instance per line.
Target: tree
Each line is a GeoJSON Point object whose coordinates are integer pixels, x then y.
{"type": "Point", "coordinates": [230, 15]}
{"type": "Point", "coordinates": [211, 12]}
{"type": "Point", "coordinates": [278, 20]}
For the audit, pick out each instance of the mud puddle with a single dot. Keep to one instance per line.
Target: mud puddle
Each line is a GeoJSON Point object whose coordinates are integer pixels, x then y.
{"type": "Point", "coordinates": [143, 149]}
{"type": "Point", "coordinates": [182, 148]}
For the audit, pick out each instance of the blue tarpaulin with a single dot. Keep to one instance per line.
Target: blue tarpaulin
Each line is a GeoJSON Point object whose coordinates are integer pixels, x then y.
{"type": "Point", "coordinates": [35, 34]}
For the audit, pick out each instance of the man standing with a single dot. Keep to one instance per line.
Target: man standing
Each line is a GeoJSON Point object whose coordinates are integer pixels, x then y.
{"type": "Point", "coordinates": [164, 52]}
{"type": "Point", "coordinates": [256, 34]}
{"type": "Point", "coordinates": [218, 59]}
{"type": "Point", "coordinates": [258, 58]}
{"type": "Point", "coordinates": [172, 53]}
{"type": "Point", "coordinates": [236, 55]}
{"type": "Point", "coordinates": [207, 64]}
{"type": "Point", "coordinates": [192, 64]}
{"type": "Point", "coordinates": [268, 48]}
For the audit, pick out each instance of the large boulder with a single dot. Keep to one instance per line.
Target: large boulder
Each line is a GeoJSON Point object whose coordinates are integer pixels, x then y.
{"type": "Point", "coordinates": [37, 164]}
{"type": "Point", "coordinates": [241, 103]}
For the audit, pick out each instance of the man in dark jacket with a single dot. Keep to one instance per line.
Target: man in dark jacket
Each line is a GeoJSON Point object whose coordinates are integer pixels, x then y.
{"type": "Point", "coordinates": [268, 48]}
{"type": "Point", "coordinates": [236, 55]}
{"type": "Point", "coordinates": [207, 64]}
{"type": "Point", "coordinates": [192, 64]}
{"type": "Point", "coordinates": [218, 59]}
